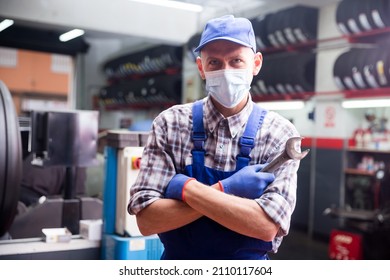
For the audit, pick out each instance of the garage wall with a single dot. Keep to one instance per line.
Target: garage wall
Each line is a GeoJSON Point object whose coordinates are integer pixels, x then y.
{"type": "Point", "coordinates": [326, 133]}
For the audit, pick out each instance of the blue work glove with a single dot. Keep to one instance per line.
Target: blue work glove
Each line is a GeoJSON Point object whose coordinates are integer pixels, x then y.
{"type": "Point", "coordinates": [248, 182]}
{"type": "Point", "coordinates": [175, 187]}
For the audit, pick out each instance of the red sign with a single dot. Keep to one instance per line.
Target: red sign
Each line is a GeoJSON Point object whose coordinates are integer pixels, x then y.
{"type": "Point", "coordinates": [330, 116]}
{"type": "Point", "coordinates": [345, 245]}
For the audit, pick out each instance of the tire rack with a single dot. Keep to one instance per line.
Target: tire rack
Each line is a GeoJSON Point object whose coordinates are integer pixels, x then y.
{"type": "Point", "coordinates": [143, 79]}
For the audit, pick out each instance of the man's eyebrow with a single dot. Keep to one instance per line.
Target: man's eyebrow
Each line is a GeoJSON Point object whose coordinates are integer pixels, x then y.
{"type": "Point", "coordinates": [211, 58]}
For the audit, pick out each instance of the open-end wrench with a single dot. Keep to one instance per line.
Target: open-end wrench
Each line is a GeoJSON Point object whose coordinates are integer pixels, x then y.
{"type": "Point", "coordinates": [289, 153]}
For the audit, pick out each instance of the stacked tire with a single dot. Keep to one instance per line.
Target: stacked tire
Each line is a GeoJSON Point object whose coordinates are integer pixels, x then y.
{"type": "Point", "coordinates": [362, 69]}
{"type": "Point", "coordinates": [148, 77]}
{"type": "Point", "coordinates": [285, 74]}
{"type": "Point", "coordinates": [286, 27]}
{"type": "Point", "coordinates": [191, 45]}
{"type": "Point", "coordinates": [162, 89]}
{"type": "Point", "coordinates": [151, 61]}
{"type": "Point", "coordinates": [355, 16]}
{"type": "Point", "coordinates": [290, 26]}
{"type": "Point", "coordinates": [260, 25]}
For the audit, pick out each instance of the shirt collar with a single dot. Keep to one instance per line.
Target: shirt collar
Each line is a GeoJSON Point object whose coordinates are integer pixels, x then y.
{"type": "Point", "coordinates": [235, 122]}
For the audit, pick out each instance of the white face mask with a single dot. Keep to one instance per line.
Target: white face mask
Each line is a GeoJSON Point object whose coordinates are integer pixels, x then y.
{"type": "Point", "coordinates": [228, 86]}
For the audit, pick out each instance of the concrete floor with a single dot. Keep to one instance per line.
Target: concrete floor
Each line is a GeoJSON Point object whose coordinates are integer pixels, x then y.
{"type": "Point", "coordinates": [299, 246]}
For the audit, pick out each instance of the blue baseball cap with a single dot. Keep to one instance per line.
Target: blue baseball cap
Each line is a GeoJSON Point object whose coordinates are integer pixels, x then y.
{"type": "Point", "coordinates": [237, 30]}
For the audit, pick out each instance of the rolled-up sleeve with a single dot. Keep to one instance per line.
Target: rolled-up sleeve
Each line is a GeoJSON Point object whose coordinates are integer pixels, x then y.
{"type": "Point", "coordinates": [155, 171]}
{"type": "Point", "coordinates": [163, 156]}
{"type": "Point", "coordinates": [279, 198]}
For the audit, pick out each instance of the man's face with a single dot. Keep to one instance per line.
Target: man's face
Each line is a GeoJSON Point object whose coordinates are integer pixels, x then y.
{"type": "Point", "coordinates": [223, 54]}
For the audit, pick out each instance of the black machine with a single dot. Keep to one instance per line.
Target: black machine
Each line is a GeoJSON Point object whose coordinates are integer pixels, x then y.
{"type": "Point", "coordinates": [10, 160]}
{"type": "Point", "coordinates": [55, 138]}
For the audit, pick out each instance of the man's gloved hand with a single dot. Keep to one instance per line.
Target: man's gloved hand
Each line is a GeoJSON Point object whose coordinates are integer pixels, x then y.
{"type": "Point", "coordinates": [248, 182]}
{"type": "Point", "coordinates": [175, 187]}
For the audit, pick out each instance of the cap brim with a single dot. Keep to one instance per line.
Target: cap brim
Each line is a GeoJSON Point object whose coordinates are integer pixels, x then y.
{"type": "Point", "coordinates": [223, 38]}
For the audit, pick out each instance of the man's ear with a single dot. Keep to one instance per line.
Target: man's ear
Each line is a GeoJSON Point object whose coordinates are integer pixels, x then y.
{"type": "Point", "coordinates": [258, 62]}
{"type": "Point", "coordinates": [200, 68]}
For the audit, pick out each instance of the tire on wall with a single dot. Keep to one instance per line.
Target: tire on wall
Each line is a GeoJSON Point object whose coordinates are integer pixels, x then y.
{"type": "Point", "coordinates": [342, 15]}
{"type": "Point", "coordinates": [379, 11]}
{"type": "Point", "coordinates": [192, 44]}
{"type": "Point", "coordinates": [355, 7]}
{"type": "Point", "coordinates": [287, 73]}
{"type": "Point", "coordinates": [382, 66]}
{"type": "Point", "coordinates": [150, 61]}
{"type": "Point", "coordinates": [369, 69]}
{"type": "Point", "coordinates": [303, 23]}
{"type": "Point", "coordinates": [302, 72]}
{"type": "Point", "coordinates": [272, 26]}
{"type": "Point", "coordinates": [263, 80]}
{"type": "Point", "coordinates": [364, 16]}
{"type": "Point", "coordinates": [341, 72]}
{"type": "Point", "coordinates": [260, 28]}
{"type": "Point", "coordinates": [159, 89]}
{"type": "Point", "coordinates": [357, 60]}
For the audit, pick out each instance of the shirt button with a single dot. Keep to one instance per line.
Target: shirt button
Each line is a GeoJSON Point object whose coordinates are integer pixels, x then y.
{"type": "Point", "coordinates": [221, 146]}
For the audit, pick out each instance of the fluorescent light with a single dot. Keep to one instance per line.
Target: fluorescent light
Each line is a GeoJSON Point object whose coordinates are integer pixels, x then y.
{"type": "Point", "coordinates": [173, 4]}
{"type": "Point", "coordinates": [71, 35]}
{"type": "Point", "coordinates": [282, 105]}
{"type": "Point", "coordinates": [365, 103]}
{"type": "Point", "coordinates": [5, 24]}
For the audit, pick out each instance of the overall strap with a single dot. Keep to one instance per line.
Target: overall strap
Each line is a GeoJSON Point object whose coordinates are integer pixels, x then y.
{"type": "Point", "coordinates": [198, 137]}
{"type": "Point", "coordinates": [247, 140]}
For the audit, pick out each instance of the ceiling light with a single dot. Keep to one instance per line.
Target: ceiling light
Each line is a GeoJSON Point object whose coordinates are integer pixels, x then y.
{"type": "Point", "coordinates": [5, 24]}
{"type": "Point", "coordinates": [173, 4]}
{"type": "Point", "coordinates": [365, 103]}
{"type": "Point", "coordinates": [71, 35]}
{"type": "Point", "coordinates": [282, 105]}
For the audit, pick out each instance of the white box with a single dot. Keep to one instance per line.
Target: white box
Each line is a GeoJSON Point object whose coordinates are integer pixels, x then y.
{"type": "Point", "coordinates": [57, 235]}
{"type": "Point", "coordinates": [91, 229]}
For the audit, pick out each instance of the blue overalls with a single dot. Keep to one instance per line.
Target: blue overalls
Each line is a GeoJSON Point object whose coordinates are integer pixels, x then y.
{"type": "Point", "coordinates": [204, 238]}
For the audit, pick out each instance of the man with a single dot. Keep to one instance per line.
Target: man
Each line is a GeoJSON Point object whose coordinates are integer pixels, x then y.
{"type": "Point", "coordinates": [200, 186]}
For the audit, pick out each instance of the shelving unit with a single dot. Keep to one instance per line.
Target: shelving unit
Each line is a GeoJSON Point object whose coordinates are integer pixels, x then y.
{"type": "Point", "coordinates": [367, 37]}
{"type": "Point", "coordinates": [366, 172]}
{"type": "Point", "coordinates": [325, 188]}
{"type": "Point", "coordinates": [363, 37]}
{"type": "Point", "coordinates": [364, 213]}
{"type": "Point", "coordinates": [355, 171]}
{"type": "Point", "coordinates": [143, 80]}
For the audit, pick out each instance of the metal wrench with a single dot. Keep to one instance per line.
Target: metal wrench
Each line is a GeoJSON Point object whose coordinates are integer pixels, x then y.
{"type": "Point", "coordinates": [288, 153]}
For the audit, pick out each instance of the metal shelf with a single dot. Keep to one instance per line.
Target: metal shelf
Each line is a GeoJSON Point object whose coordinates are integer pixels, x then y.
{"type": "Point", "coordinates": [366, 150]}
{"type": "Point", "coordinates": [354, 171]}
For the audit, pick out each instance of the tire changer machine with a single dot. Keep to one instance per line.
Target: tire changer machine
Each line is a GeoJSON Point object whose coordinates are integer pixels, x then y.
{"type": "Point", "coordinates": [56, 138]}
{"type": "Point", "coordinates": [121, 237]}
